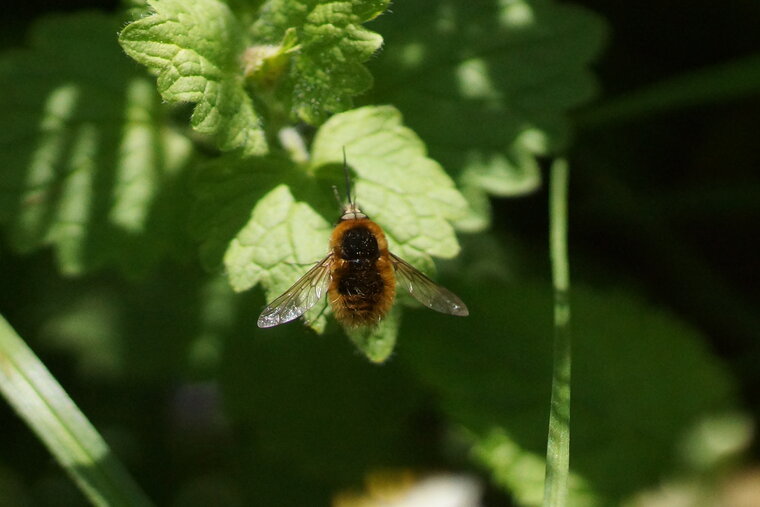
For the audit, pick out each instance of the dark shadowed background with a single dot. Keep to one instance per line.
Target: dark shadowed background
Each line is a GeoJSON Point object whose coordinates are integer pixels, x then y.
{"type": "Point", "coordinates": [203, 408]}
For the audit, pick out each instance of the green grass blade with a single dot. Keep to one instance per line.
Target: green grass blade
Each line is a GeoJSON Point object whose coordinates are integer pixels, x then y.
{"type": "Point", "coordinates": [46, 408]}
{"type": "Point", "coordinates": [558, 444]}
{"type": "Point", "coordinates": [728, 81]}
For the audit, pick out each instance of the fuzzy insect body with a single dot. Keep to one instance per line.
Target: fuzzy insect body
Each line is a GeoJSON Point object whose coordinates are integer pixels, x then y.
{"type": "Point", "coordinates": [362, 279]}
{"type": "Point", "coordinates": [359, 276]}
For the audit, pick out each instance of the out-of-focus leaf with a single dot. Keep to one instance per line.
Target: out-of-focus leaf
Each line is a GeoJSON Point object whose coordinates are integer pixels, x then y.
{"type": "Point", "coordinates": [350, 417]}
{"type": "Point", "coordinates": [12, 489]}
{"type": "Point", "coordinates": [641, 381]}
{"type": "Point", "coordinates": [488, 84]}
{"type": "Point", "coordinates": [132, 334]}
{"type": "Point", "coordinates": [87, 162]}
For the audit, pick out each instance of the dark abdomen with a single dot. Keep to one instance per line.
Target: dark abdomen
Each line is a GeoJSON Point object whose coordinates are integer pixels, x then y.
{"type": "Point", "coordinates": [360, 283]}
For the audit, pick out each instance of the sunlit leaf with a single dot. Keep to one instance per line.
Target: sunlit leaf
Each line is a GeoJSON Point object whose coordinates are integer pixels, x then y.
{"type": "Point", "coordinates": [397, 184]}
{"type": "Point", "coordinates": [327, 68]}
{"type": "Point", "coordinates": [195, 48]}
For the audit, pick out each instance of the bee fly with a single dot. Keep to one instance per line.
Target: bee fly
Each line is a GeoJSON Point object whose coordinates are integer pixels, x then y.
{"type": "Point", "coordinates": [359, 276]}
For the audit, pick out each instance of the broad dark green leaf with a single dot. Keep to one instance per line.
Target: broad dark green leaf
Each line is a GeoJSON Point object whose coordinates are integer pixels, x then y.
{"type": "Point", "coordinates": [642, 381]}
{"type": "Point", "coordinates": [88, 163]}
{"type": "Point", "coordinates": [488, 85]}
{"type": "Point", "coordinates": [315, 408]}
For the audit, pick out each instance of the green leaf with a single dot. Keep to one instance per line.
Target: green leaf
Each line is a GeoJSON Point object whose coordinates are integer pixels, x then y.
{"type": "Point", "coordinates": [292, 231]}
{"type": "Point", "coordinates": [256, 217]}
{"type": "Point", "coordinates": [327, 70]}
{"type": "Point", "coordinates": [397, 184]}
{"type": "Point", "coordinates": [377, 342]}
{"type": "Point", "coordinates": [268, 220]}
{"type": "Point", "coordinates": [89, 165]}
{"type": "Point", "coordinates": [46, 408]}
{"type": "Point", "coordinates": [488, 88]}
{"type": "Point", "coordinates": [642, 381]}
{"type": "Point", "coordinates": [111, 333]}
{"type": "Point", "coordinates": [196, 48]}
{"type": "Point", "coordinates": [281, 231]}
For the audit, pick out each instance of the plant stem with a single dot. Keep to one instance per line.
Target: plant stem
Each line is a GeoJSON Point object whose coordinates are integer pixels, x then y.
{"type": "Point", "coordinates": [46, 408]}
{"type": "Point", "coordinates": [558, 442]}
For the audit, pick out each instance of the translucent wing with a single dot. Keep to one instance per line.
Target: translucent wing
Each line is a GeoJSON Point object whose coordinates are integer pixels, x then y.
{"type": "Point", "coordinates": [426, 291]}
{"type": "Point", "coordinates": [297, 300]}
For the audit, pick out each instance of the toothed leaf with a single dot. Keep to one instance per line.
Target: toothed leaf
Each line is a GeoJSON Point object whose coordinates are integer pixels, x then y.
{"type": "Point", "coordinates": [195, 48]}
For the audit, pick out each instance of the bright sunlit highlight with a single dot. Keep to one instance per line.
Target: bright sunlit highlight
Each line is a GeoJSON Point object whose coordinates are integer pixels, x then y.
{"type": "Point", "coordinates": [516, 14]}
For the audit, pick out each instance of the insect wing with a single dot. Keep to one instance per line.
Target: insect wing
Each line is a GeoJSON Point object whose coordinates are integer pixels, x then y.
{"type": "Point", "coordinates": [426, 291]}
{"type": "Point", "coordinates": [297, 300]}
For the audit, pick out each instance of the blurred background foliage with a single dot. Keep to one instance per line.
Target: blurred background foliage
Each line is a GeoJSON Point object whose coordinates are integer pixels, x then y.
{"type": "Point", "coordinates": [205, 409]}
